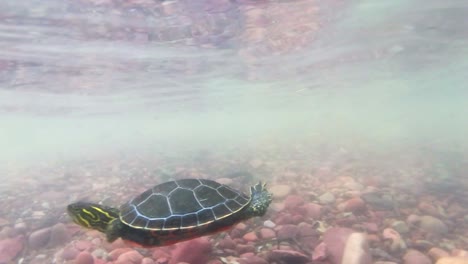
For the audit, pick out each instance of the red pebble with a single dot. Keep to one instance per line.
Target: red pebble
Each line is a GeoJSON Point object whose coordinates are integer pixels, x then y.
{"type": "Point", "coordinates": [10, 248]}
{"type": "Point", "coordinates": [196, 251]}
{"type": "Point", "coordinates": [293, 201]}
{"type": "Point", "coordinates": [267, 233]}
{"type": "Point", "coordinates": [114, 254]}
{"type": "Point", "coordinates": [130, 257]}
{"type": "Point", "coordinates": [250, 237]}
{"type": "Point", "coordinates": [84, 258]}
{"type": "Point", "coordinates": [286, 232]}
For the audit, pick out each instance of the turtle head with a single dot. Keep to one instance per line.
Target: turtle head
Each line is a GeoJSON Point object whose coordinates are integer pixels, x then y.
{"type": "Point", "coordinates": [91, 215]}
{"type": "Point", "coordinates": [260, 199]}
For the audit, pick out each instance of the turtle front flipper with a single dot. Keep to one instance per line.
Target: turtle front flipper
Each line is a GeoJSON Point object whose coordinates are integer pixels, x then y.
{"type": "Point", "coordinates": [259, 201]}
{"type": "Point", "coordinates": [91, 215]}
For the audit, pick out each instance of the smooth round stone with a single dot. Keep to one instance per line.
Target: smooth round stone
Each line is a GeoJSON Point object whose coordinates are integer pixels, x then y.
{"type": "Point", "coordinates": [225, 181]}
{"type": "Point", "coordinates": [433, 225]}
{"type": "Point", "coordinates": [414, 256]}
{"type": "Point", "coordinates": [327, 198]}
{"type": "Point", "coordinates": [39, 238]}
{"type": "Point", "coordinates": [58, 235]}
{"type": "Point", "coordinates": [286, 232]}
{"type": "Point", "coordinates": [147, 261]}
{"type": "Point", "coordinates": [251, 237]}
{"type": "Point", "coordinates": [269, 223]}
{"type": "Point", "coordinates": [70, 253]}
{"type": "Point", "coordinates": [130, 257]}
{"type": "Point", "coordinates": [280, 191]}
{"type": "Point", "coordinates": [20, 228]}
{"type": "Point", "coordinates": [401, 227]}
{"type": "Point", "coordinates": [267, 233]}
{"type": "Point", "coordinates": [452, 260]}
{"type": "Point", "coordinates": [84, 258]}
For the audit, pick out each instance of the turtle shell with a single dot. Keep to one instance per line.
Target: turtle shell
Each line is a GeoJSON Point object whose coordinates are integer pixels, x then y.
{"type": "Point", "coordinates": [182, 204]}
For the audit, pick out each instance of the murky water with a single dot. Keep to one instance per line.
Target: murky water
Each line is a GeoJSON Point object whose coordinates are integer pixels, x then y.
{"type": "Point", "coordinates": [354, 112]}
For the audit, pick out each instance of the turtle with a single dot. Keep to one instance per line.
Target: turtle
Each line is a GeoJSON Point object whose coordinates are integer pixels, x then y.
{"type": "Point", "coordinates": [173, 211]}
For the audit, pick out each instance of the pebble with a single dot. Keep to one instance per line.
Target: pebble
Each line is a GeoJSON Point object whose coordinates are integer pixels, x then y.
{"type": "Point", "coordinates": [267, 233]}
{"type": "Point", "coordinates": [432, 225]}
{"type": "Point", "coordinates": [437, 253]}
{"type": "Point", "coordinates": [452, 260]}
{"type": "Point", "coordinates": [287, 256]}
{"type": "Point", "coordinates": [39, 238]}
{"type": "Point", "coordinates": [269, 223]}
{"type": "Point", "coordinates": [225, 181]}
{"type": "Point", "coordinates": [401, 227]}
{"type": "Point", "coordinates": [84, 257]}
{"type": "Point", "coordinates": [10, 248]}
{"type": "Point", "coordinates": [415, 257]}
{"type": "Point", "coordinates": [192, 251]}
{"type": "Point", "coordinates": [147, 261]}
{"type": "Point", "coordinates": [227, 243]}
{"type": "Point", "coordinates": [100, 253]}
{"type": "Point", "coordinates": [114, 254]}
{"type": "Point", "coordinates": [313, 210]}
{"type": "Point", "coordinates": [356, 250]}
{"type": "Point", "coordinates": [286, 232]}
{"type": "Point", "coordinates": [280, 191]}
{"type": "Point", "coordinates": [58, 235]}
{"type": "Point", "coordinates": [327, 198]}
{"type": "Point", "coordinates": [250, 236]}
{"type": "Point", "coordinates": [293, 201]}
{"type": "Point", "coordinates": [20, 228]}
{"type": "Point", "coordinates": [252, 259]}
{"type": "Point", "coordinates": [397, 242]}
{"type": "Point", "coordinates": [129, 257]}
{"type": "Point", "coordinates": [354, 205]}
{"type": "Point", "coordinates": [69, 253]}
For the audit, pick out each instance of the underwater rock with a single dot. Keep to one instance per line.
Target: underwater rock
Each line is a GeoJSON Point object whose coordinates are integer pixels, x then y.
{"type": "Point", "coordinates": [312, 210]}
{"type": "Point", "coordinates": [58, 235]}
{"type": "Point", "coordinates": [400, 226]}
{"type": "Point", "coordinates": [250, 237]}
{"type": "Point", "coordinates": [227, 242]}
{"type": "Point", "coordinates": [293, 201]}
{"type": "Point", "coordinates": [287, 256]}
{"type": "Point", "coordinates": [39, 238]}
{"type": "Point", "coordinates": [437, 253]}
{"type": "Point", "coordinates": [69, 253]}
{"type": "Point", "coordinates": [280, 191]}
{"type": "Point", "coordinates": [252, 259]}
{"type": "Point", "coordinates": [335, 239]}
{"type": "Point", "coordinates": [428, 208]}
{"type": "Point", "coordinates": [397, 243]}
{"type": "Point", "coordinates": [84, 258]}
{"type": "Point", "coordinates": [415, 257]}
{"type": "Point", "coordinates": [129, 257]}
{"type": "Point", "coordinates": [432, 225]}
{"type": "Point", "coordinates": [267, 233]}
{"type": "Point", "coordinates": [286, 232]}
{"type": "Point", "coordinates": [320, 252]}
{"type": "Point", "coordinates": [452, 260]}
{"type": "Point", "coordinates": [354, 205]}
{"type": "Point", "coordinates": [195, 251]}
{"type": "Point", "coordinates": [147, 261]}
{"type": "Point", "coordinates": [356, 250]}
{"type": "Point", "coordinates": [115, 254]}
{"type": "Point", "coordinates": [269, 223]}
{"type": "Point", "coordinates": [10, 248]}
{"type": "Point", "coordinates": [327, 198]}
